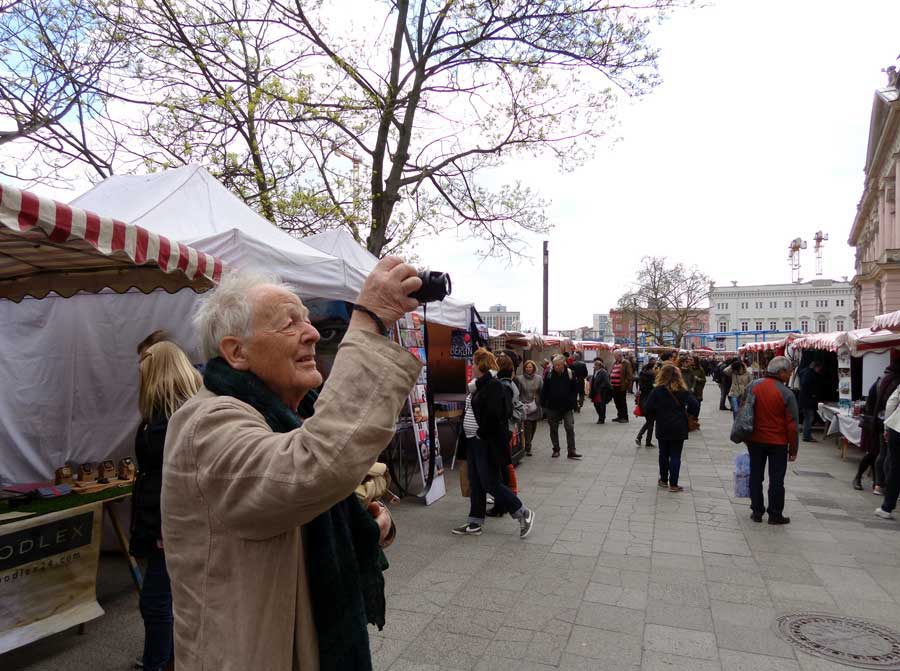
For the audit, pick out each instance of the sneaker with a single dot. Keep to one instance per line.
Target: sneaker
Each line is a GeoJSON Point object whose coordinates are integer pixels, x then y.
{"type": "Point", "coordinates": [526, 524]}
{"type": "Point", "coordinates": [637, 441]}
{"type": "Point", "coordinates": [877, 490]}
{"type": "Point", "coordinates": [573, 455]}
{"type": "Point", "coordinates": [756, 517]}
{"type": "Point", "coordinates": [884, 514]}
{"type": "Point", "coordinates": [489, 499]}
{"type": "Point", "coordinates": [662, 484]}
{"type": "Point", "coordinates": [555, 454]}
{"type": "Point", "coordinates": [470, 529]}
{"type": "Point", "coordinates": [857, 485]}
{"type": "Point", "coordinates": [779, 519]}
{"type": "Point", "coordinates": [676, 488]}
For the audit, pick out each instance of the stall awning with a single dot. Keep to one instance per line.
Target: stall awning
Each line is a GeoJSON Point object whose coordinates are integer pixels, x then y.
{"type": "Point", "coordinates": [46, 246]}
{"type": "Point", "coordinates": [829, 342]}
{"type": "Point", "coordinates": [886, 322]}
{"type": "Point", "coordinates": [767, 345]}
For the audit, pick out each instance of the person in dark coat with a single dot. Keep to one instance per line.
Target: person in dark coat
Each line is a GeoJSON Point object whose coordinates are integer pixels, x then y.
{"type": "Point", "coordinates": [579, 369]}
{"type": "Point", "coordinates": [167, 380]}
{"type": "Point", "coordinates": [724, 383]}
{"type": "Point", "coordinates": [889, 382]}
{"type": "Point", "coordinates": [559, 396]}
{"type": "Point", "coordinates": [871, 441]}
{"type": "Point", "coordinates": [646, 382]}
{"type": "Point", "coordinates": [601, 390]}
{"type": "Point", "coordinates": [810, 392]}
{"type": "Point", "coordinates": [669, 404]}
{"type": "Point", "coordinates": [486, 436]}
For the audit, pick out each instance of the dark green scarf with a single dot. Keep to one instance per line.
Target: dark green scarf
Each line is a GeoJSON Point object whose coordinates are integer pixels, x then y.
{"type": "Point", "coordinates": [343, 557]}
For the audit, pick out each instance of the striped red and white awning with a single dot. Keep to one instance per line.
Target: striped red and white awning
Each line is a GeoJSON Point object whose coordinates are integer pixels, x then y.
{"type": "Point", "coordinates": [887, 322]}
{"type": "Point", "coordinates": [46, 246]}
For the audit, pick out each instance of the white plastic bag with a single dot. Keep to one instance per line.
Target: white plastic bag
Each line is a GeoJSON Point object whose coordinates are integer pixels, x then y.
{"type": "Point", "coordinates": [742, 476]}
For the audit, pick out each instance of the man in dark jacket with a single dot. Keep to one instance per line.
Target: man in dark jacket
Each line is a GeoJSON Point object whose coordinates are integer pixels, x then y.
{"type": "Point", "coordinates": [579, 369]}
{"type": "Point", "coordinates": [810, 390]}
{"type": "Point", "coordinates": [889, 382]}
{"type": "Point", "coordinates": [558, 398]}
{"type": "Point", "coordinates": [774, 438]}
{"type": "Point", "coordinates": [724, 383]}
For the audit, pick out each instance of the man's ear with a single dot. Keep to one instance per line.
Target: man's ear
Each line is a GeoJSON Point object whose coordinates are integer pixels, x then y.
{"type": "Point", "coordinates": [234, 353]}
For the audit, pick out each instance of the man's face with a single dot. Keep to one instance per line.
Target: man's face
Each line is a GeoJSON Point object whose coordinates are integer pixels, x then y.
{"type": "Point", "coordinates": [559, 366]}
{"type": "Point", "coordinates": [281, 350]}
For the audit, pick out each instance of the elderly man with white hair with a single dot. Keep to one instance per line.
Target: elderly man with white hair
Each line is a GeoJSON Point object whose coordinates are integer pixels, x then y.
{"type": "Point", "coordinates": [274, 562]}
{"type": "Point", "coordinates": [774, 438]}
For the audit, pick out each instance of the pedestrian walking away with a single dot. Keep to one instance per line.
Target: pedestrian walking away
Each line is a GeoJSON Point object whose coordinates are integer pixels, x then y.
{"type": "Point", "coordinates": [810, 391]}
{"type": "Point", "coordinates": [740, 378]}
{"type": "Point", "coordinates": [724, 383]}
{"type": "Point", "coordinates": [870, 442]}
{"type": "Point", "coordinates": [530, 385]}
{"type": "Point", "coordinates": [558, 398]}
{"type": "Point", "coordinates": [699, 380]}
{"type": "Point", "coordinates": [579, 369]}
{"type": "Point", "coordinates": [669, 404]}
{"type": "Point", "coordinates": [774, 439]}
{"type": "Point", "coordinates": [646, 382]}
{"type": "Point", "coordinates": [601, 390]}
{"type": "Point", "coordinates": [889, 383]}
{"type": "Point", "coordinates": [485, 444]}
{"type": "Point", "coordinates": [892, 465]}
{"type": "Point", "coordinates": [620, 377]}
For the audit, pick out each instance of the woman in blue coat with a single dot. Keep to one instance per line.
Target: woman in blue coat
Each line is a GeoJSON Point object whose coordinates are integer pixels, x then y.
{"type": "Point", "coordinates": [668, 406]}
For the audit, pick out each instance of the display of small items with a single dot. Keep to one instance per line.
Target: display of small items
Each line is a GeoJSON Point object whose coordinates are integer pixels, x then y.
{"type": "Point", "coordinates": [105, 472]}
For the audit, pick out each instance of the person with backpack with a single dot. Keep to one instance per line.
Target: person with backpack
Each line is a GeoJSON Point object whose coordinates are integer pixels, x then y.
{"type": "Point", "coordinates": [558, 398]}
{"type": "Point", "coordinates": [485, 436]}
{"type": "Point", "coordinates": [579, 369]}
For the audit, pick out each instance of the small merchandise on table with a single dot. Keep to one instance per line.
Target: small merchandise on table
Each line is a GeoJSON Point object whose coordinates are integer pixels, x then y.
{"type": "Point", "coordinates": [843, 422]}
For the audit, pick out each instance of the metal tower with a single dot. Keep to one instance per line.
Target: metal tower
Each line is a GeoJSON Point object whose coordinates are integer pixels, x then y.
{"type": "Point", "coordinates": [820, 243]}
{"type": "Point", "coordinates": [794, 258]}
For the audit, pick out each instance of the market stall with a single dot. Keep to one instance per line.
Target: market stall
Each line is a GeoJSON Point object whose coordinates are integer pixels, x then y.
{"type": "Point", "coordinates": [50, 532]}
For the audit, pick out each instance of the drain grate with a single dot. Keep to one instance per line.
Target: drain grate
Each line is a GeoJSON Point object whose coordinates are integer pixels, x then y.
{"type": "Point", "coordinates": [847, 640]}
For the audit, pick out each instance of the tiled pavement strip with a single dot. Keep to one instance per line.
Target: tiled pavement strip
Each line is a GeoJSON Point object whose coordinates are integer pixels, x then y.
{"type": "Point", "coordinates": [617, 574]}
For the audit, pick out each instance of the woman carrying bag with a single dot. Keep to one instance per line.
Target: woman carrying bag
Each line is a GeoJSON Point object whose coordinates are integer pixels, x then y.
{"type": "Point", "coordinates": [671, 406]}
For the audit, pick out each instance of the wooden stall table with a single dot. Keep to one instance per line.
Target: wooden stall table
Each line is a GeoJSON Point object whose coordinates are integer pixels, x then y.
{"type": "Point", "coordinates": [49, 557]}
{"type": "Point", "coordinates": [840, 422]}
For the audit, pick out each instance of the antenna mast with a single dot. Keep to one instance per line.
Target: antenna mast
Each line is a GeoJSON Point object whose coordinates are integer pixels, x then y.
{"type": "Point", "coordinates": [820, 243]}
{"type": "Point", "coordinates": [794, 258]}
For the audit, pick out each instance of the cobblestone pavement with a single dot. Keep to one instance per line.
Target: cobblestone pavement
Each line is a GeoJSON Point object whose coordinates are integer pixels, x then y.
{"type": "Point", "coordinates": [616, 575]}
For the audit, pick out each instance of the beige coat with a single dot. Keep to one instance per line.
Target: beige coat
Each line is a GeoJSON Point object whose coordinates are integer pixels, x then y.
{"type": "Point", "coordinates": [234, 498]}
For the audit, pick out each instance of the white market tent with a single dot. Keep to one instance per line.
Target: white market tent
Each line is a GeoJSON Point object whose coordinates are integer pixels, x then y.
{"type": "Point", "coordinates": [49, 251]}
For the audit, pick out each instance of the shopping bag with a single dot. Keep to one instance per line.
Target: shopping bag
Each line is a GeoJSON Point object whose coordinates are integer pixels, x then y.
{"type": "Point", "coordinates": [464, 488]}
{"type": "Point", "coordinates": [742, 428]}
{"type": "Point", "coordinates": [742, 476]}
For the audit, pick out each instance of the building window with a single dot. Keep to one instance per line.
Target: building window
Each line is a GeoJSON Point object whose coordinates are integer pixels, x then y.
{"type": "Point", "coordinates": [787, 325]}
{"type": "Point", "coordinates": [821, 326]}
{"type": "Point", "coordinates": [723, 326]}
{"type": "Point", "coordinates": [759, 305]}
{"type": "Point", "coordinates": [744, 326]}
{"type": "Point", "coordinates": [804, 304]}
{"type": "Point", "coordinates": [839, 324]}
{"type": "Point", "coordinates": [787, 304]}
{"type": "Point", "coordinates": [773, 304]}
{"type": "Point", "coordinates": [773, 326]}
{"type": "Point", "coordinates": [839, 303]}
{"type": "Point", "coordinates": [744, 306]}
{"type": "Point", "coordinates": [759, 325]}
{"type": "Point", "coordinates": [804, 326]}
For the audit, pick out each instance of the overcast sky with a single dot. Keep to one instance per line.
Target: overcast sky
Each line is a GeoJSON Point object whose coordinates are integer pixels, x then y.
{"type": "Point", "coordinates": [756, 136]}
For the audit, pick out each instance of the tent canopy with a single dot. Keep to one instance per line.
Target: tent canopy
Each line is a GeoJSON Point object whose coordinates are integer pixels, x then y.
{"type": "Point", "coordinates": [189, 205]}
{"type": "Point", "coordinates": [887, 322]}
{"type": "Point", "coordinates": [47, 246]}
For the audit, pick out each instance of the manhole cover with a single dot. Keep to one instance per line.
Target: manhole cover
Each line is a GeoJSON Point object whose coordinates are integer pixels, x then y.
{"type": "Point", "coordinates": [845, 639]}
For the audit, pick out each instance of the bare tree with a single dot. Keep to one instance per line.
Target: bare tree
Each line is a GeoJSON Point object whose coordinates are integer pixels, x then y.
{"type": "Point", "coordinates": [669, 299]}
{"type": "Point", "coordinates": [448, 91]}
{"type": "Point", "coordinates": [54, 57]}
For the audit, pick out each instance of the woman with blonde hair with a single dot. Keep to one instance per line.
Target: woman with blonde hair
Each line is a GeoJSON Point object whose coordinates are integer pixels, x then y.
{"type": "Point", "coordinates": [167, 380]}
{"type": "Point", "coordinates": [531, 383]}
{"type": "Point", "coordinates": [485, 442]}
{"type": "Point", "coordinates": [668, 406]}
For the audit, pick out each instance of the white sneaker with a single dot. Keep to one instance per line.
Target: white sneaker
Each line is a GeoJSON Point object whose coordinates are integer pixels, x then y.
{"type": "Point", "coordinates": [884, 514]}
{"type": "Point", "coordinates": [526, 524]}
{"type": "Point", "coordinates": [489, 499]}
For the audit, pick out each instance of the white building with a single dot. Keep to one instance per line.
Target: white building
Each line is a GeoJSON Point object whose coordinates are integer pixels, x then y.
{"type": "Point", "coordinates": [602, 327]}
{"type": "Point", "coordinates": [818, 306]}
{"type": "Point", "coordinates": [499, 318]}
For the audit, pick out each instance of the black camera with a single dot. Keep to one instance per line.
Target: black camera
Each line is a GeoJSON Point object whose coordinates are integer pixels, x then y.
{"type": "Point", "coordinates": [435, 286]}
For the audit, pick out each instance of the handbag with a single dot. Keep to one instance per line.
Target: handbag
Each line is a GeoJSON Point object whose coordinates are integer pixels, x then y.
{"type": "Point", "coordinates": [637, 409]}
{"type": "Point", "coordinates": [742, 427]}
{"type": "Point", "coordinates": [693, 423]}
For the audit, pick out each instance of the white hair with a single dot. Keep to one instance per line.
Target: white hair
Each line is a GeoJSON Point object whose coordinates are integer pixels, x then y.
{"type": "Point", "coordinates": [227, 311]}
{"type": "Point", "coordinates": [557, 358]}
{"type": "Point", "coordinates": [778, 365]}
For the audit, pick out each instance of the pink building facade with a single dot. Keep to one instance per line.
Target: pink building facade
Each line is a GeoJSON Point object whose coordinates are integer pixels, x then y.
{"type": "Point", "coordinates": [876, 230]}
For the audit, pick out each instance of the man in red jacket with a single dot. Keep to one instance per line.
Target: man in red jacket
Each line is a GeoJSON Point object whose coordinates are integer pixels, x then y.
{"type": "Point", "coordinates": [774, 438]}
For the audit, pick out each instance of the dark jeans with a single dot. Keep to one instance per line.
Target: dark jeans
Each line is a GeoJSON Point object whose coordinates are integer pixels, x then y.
{"type": "Point", "coordinates": [809, 414]}
{"type": "Point", "coordinates": [670, 460]}
{"type": "Point", "coordinates": [777, 456]}
{"type": "Point", "coordinates": [601, 410]}
{"type": "Point", "coordinates": [880, 470]}
{"type": "Point", "coordinates": [155, 603]}
{"type": "Point", "coordinates": [723, 390]}
{"type": "Point", "coordinates": [648, 428]}
{"type": "Point", "coordinates": [892, 471]}
{"type": "Point", "coordinates": [621, 404]}
{"type": "Point", "coordinates": [484, 478]}
{"type": "Point", "coordinates": [568, 419]}
{"type": "Point", "coordinates": [580, 393]}
{"type": "Point", "coordinates": [530, 428]}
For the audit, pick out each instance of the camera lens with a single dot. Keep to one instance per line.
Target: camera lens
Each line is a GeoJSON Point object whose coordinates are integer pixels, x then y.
{"type": "Point", "coordinates": [435, 286]}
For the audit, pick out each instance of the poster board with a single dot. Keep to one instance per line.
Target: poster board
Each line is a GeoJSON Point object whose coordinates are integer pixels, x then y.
{"type": "Point", "coordinates": [843, 361]}
{"type": "Point", "coordinates": [411, 332]}
{"type": "Point", "coordinates": [48, 574]}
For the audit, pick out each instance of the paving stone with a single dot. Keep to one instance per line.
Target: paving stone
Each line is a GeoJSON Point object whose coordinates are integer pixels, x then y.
{"type": "Point", "coordinates": [686, 617]}
{"type": "Point", "coordinates": [733, 660]}
{"type": "Point", "coordinates": [656, 661]}
{"type": "Point", "coordinates": [611, 618]}
{"type": "Point", "coordinates": [682, 642]}
{"type": "Point", "coordinates": [609, 646]}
